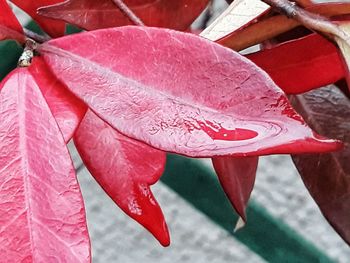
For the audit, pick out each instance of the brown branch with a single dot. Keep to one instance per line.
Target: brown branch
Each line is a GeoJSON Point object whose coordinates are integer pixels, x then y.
{"type": "Point", "coordinates": [36, 37]}
{"type": "Point", "coordinates": [128, 12]}
{"type": "Point", "coordinates": [309, 20]}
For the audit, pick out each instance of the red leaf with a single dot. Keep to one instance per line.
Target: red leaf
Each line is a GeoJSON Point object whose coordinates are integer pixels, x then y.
{"type": "Point", "coordinates": [127, 172]}
{"type": "Point", "coordinates": [92, 14]}
{"type": "Point", "coordinates": [50, 26]}
{"type": "Point", "coordinates": [327, 176]}
{"type": "Point", "coordinates": [181, 94]}
{"type": "Point", "coordinates": [237, 178]}
{"type": "Point", "coordinates": [42, 215]}
{"type": "Point", "coordinates": [10, 28]}
{"type": "Point", "coordinates": [301, 65]}
{"type": "Point", "coordinates": [65, 107]}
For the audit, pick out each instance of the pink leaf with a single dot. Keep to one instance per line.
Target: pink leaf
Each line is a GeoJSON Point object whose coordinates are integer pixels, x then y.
{"type": "Point", "coordinates": [125, 169]}
{"type": "Point", "coordinates": [42, 215]}
{"type": "Point", "coordinates": [65, 107]}
{"type": "Point", "coordinates": [50, 26]}
{"type": "Point", "coordinates": [92, 14]}
{"type": "Point", "coordinates": [181, 94]}
{"type": "Point", "coordinates": [10, 28]}
{"type": "Point", "coordinates": [237, 178]}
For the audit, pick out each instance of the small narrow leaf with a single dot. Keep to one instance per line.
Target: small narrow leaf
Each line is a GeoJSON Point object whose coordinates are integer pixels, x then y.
{"type": "Point", "coordinates": [301, 65]}
{"type": "Point", "coordinates": [327, 176]}
{"type": "Point", "coordinates": [92, 14]}
{"type": "Point", "coordinates": [65, 107]}
{"type": "Point", "coordinates": [10, 28]}
{"type": "Point", "coordinates": [181, 94]}
{"type": "Point", "coordinates": [127, 172]}
{"type": "Point", "coordinates": [42, 215]}
{"type": "Point", "coordinates": [237, 178]}
{"type": "Point", "coordinates": [50, 26]}
{"type": "Point", "coordinates": [239, 14]}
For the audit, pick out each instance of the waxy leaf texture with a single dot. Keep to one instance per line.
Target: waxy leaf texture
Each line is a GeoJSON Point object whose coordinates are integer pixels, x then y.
{"type": "Point", "coordinates": [10, 28]}
{"type": "Point", "coordinates": [65, 107]}
{"type": "Point", "coordinates": [42, 215]}
{"type": "Point", "coordinates": [237, 178]}
{"type": "Point", "coordinates": [327, 176]}
{"type": "Point", "coordinates": [181, 94]}
{"type": "Point", "coordinates": [92, 14]}
{"type": "Point", "coordinates": [54, 28]}
{"type": "Point", "coordinates": [301, 65]}
{"type": "Point", "coordinates": [125, 169]}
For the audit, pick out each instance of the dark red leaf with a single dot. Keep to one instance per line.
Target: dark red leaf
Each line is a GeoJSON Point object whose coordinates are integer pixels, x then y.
{"type": "Point", "coordinates": [125, 169]}
{"type": "Point", "coordinates": [42, 215]}
{"type": "Point", "coordinates": [10, 28]}
{"type": "Point", "coordinates": [237, 178]}
{"type": "Point", "coordinates": [327, 176]}
{"type": "Point", "coordinates": [301, 65]}
{"type": "Point", "coordinates": [50, 26]}
{"type": "Point", "coordinates": [65, 107]}
{"type": "Point", "coordinates": [181, 94]}
{"type": "Point", "coordinates": [92, 14]}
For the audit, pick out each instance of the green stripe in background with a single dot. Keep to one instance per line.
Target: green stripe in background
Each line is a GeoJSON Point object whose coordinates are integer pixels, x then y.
{"type": "Point", "coordinates": [271, 239]}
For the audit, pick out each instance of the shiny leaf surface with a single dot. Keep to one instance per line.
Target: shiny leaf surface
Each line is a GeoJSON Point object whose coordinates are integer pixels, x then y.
{"type": "Point", "coordinates": [237, 178]}
{"type": "Point", "coordinates": [301, 65]}
{"type": "Point", "coordinates": [127, 173]}
{"type": "Point", "coordinates": [327, 176]}
{"type": "Point", "coordinates": [42, 215]}
{"type": "Point", "coordinates": [53, 27]}
{"type": "Point", "coordinates": [92, 14]}
{"type": "Point", "coordinates": [65, 107]}
{"type": "Point", "coordinates": [181, 94]}
{"type": "Point", "coordinates": [10, 28]}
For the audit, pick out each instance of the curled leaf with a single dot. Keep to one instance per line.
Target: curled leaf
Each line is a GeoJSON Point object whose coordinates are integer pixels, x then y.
{"type": "Point", "coordinates": [181, 94]}
{"type": "Point", "coordinates": [42, 216]}
{"type": "Point", "coordinates": [127, 172]}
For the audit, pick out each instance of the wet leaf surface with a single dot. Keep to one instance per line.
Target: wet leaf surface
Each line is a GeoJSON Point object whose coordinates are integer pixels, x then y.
{"type": "Point", "coordinates": [125, 169]}
{"type": "Point", "coordinates": [167, 89]}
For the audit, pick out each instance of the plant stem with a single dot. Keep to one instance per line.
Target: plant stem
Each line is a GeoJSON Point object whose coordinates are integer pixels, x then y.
{"type": "Point", "coordinates": [36, 37]}
{"type": "Point", "coordinates": [128, 12]}
{"type": "Point", "coordinates": [309, 20]}
{"type": "Point", "coordinates": [26, 58]}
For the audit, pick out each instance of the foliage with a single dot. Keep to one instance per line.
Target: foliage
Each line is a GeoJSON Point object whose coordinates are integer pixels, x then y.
{"type": "Point", "coordinates": [129, 94]}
